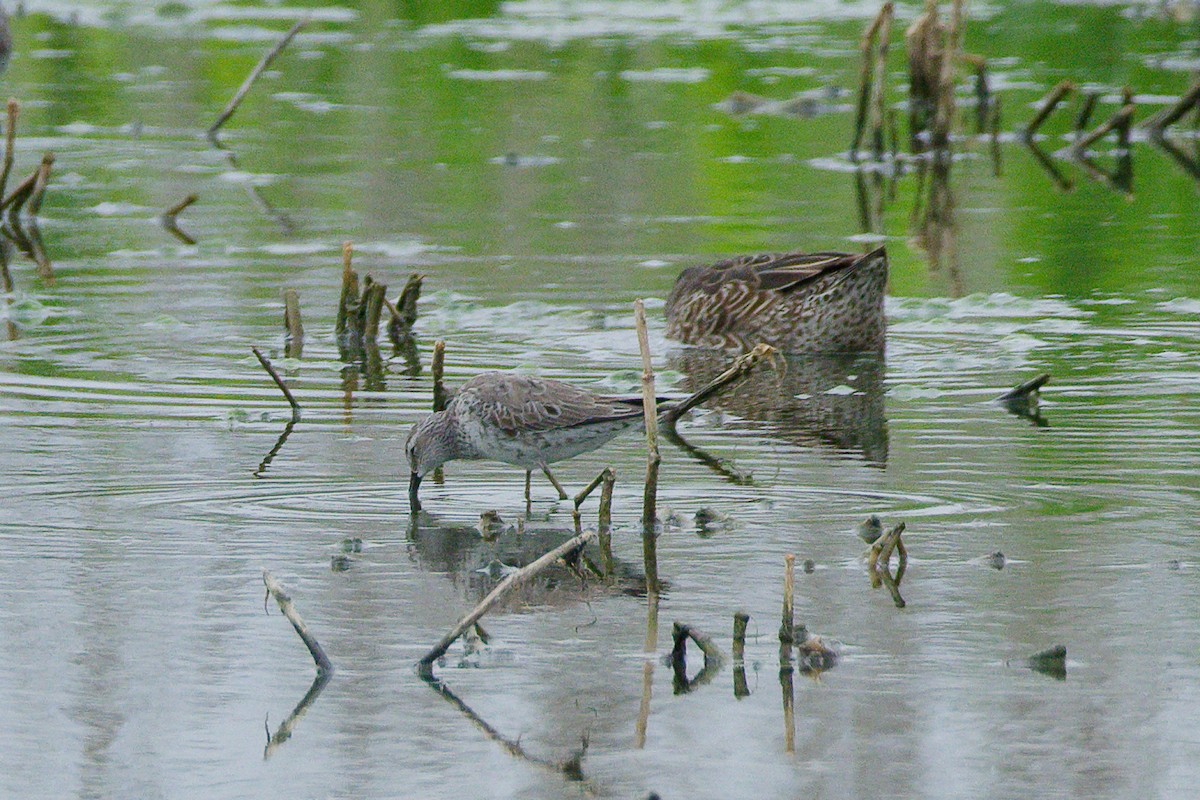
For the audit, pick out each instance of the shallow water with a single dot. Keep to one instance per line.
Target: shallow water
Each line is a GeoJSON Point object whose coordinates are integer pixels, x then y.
{"type": "Point", "coordinates": [543, 166]}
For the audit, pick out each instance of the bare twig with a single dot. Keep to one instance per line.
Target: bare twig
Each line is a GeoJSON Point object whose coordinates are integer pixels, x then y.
{"type": "Point", "coordinates": [13, 201]}
{"type": "Point", "coordinates": [265, 62]}
{"type": "Point", "coordinates": [1157, 124]}
{"type": "Point", "coordinates": [1048, 104]}
{"type": "Point", "coordinates": [39, 187]}
{"type": "Point", "coordinates": [171, 223]}
{"type": "Point", "coordinates": [1027, 388]}
{"type": "Point", "coordinates": [740, 368]}
{"type": "Point", "coordinates": [878, 82]}
{"type": "Point", "coordinates": [266, 364]}
{"type": "Point", "coordinates": [1117, 120]}
{"type": "Point", "coordinates": [943, 119]}
{"type": "Point", "coordinates": [514, 581]}
{"type": "Point", "coordinates": [274, 589]}
{"type": "Point", "coordinates": [864, 79]}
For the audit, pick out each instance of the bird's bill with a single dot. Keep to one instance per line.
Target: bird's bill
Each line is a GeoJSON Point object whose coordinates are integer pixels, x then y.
{"type": "Point", "coordinates": [414, 483]}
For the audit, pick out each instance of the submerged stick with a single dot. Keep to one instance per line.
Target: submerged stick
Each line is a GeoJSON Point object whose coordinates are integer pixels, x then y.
{"type": "Point", "coordinates": [438, 368]}
{"type": "Point", "coordinates": [1049, 103]}
{"type": "Point", "coordinates": [10, 135]}
{"type": "Point", "coordinates": [1119, 119]}
{"type": "Point", "coordinates": [740, 368]}
{"type": "Point", "coordinates": [266, 364]}
{"type": "Point", "coordinates": [515, 580]}
{"type": "Point", "coordinates": [653, 459]}
{"type": "Point", "coordinates": [265, 62]}
{"type": "Point", "coordinates": [1157, 124]}
{"type": "Point", "coordinates": [1027, 388]}
{"type": "Point", "coordinates": [274, 589]}
{"type": "Point", "coordinates": [39, 186]}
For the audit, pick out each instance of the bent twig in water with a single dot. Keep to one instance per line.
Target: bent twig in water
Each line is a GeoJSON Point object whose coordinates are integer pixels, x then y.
{"type": "Point", "coordinates": [514, 581]}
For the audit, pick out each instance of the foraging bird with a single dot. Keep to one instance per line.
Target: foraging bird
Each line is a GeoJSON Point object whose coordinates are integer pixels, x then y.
{"type": "Point", "coordinates": [796, 302]}
{"type": "Point", "coordinates": [517, 419]}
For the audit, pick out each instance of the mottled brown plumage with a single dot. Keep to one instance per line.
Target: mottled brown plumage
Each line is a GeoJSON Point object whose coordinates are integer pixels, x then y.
{"type": "Point", "coordinates": [797, 302]}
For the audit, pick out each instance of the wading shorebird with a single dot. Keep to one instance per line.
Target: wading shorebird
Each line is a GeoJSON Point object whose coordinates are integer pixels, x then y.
{"type": "Point", "coordinates": [516, 419]}
{"type": "Point", "coordinates": [796, 302]}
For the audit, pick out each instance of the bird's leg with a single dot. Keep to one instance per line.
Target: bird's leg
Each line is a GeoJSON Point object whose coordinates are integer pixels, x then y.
{"type": "Point", "coordinates": [528, 500]}
{"type": "Point", "coordinates": [562, 493]}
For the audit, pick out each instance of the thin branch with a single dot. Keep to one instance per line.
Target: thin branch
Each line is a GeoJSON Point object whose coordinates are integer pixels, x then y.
{"type": "Point", "coordinates": [510, 584]}
{"type": "Point", "coordinates": [252, 77]}
{"type": "Point", "coordinates": [266, 364]}
{"type": "Point", "coordinates": [274, 589]}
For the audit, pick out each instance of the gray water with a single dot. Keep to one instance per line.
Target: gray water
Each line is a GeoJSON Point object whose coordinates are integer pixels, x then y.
{"type": "Point", "coordinates": [138, 515]}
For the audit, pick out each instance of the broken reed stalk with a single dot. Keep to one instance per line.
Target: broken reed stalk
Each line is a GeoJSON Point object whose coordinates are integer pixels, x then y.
{"type": "Point", "coordinates": [1125, 127]}
{"type": "Point", "coordinates": [348, 302]}
{"type": "Point", "coordinates": [274, 589]}
{"type": "Point", "coordinates": [266, 364]}
{"type": "Point", "coordinates": [606, 477]}
{"type": "Point", "coordinates": [438, 368]}
{"type": "Point", "coordinates": [1119, 119]}
{"type": "Point", "coordinates": [10, 135]}
{"type": "Point", "coordinates": [371, 309]}
{"type": "Point", "coordinates": [740, 620]}
{"type": "Point", "coordinates": [943, 118]}
{"type": "Point", "coordinates": [1158, 123]}
{"type": "Point", "coordinates": [923, 43]}
{"type": "Point", "coordinates": [879, 80]}
{"type": "Point", "coordinates": [864, 80]}
{"type": "Point", "coordinates": [653, 459]}
{"type": "Point", "coordinates": [1046, 108]}
{"type": "Point", "coordinates": [787, 627]}
{"type": "Point", "coordinates": [514, 581]}
{"type": "Point", "coordinates": [13, 201]}
{"type": "Point", "coordinates": [39, 187]}
{"type": "Point", "coordinates": [265, 62]}
{"type": "Point", "coordinates": [1085, 112]}
{"type": "Point", "coordinates": [881, 553]}
{"type": "Point", "coordinates": [740, 368]}
{"type": "Point", "coordinates": [681, 633]}
{"type": "Point", "coordinates": [291, 315]}
{"type": "Point", "coordinates": [406, 303]}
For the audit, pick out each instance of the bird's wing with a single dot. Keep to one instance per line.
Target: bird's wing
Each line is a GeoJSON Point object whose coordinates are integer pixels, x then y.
{"type": "Point", "coordinates": [773, 271]}
{"type": "Point", "coordinates": [521, 403]}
